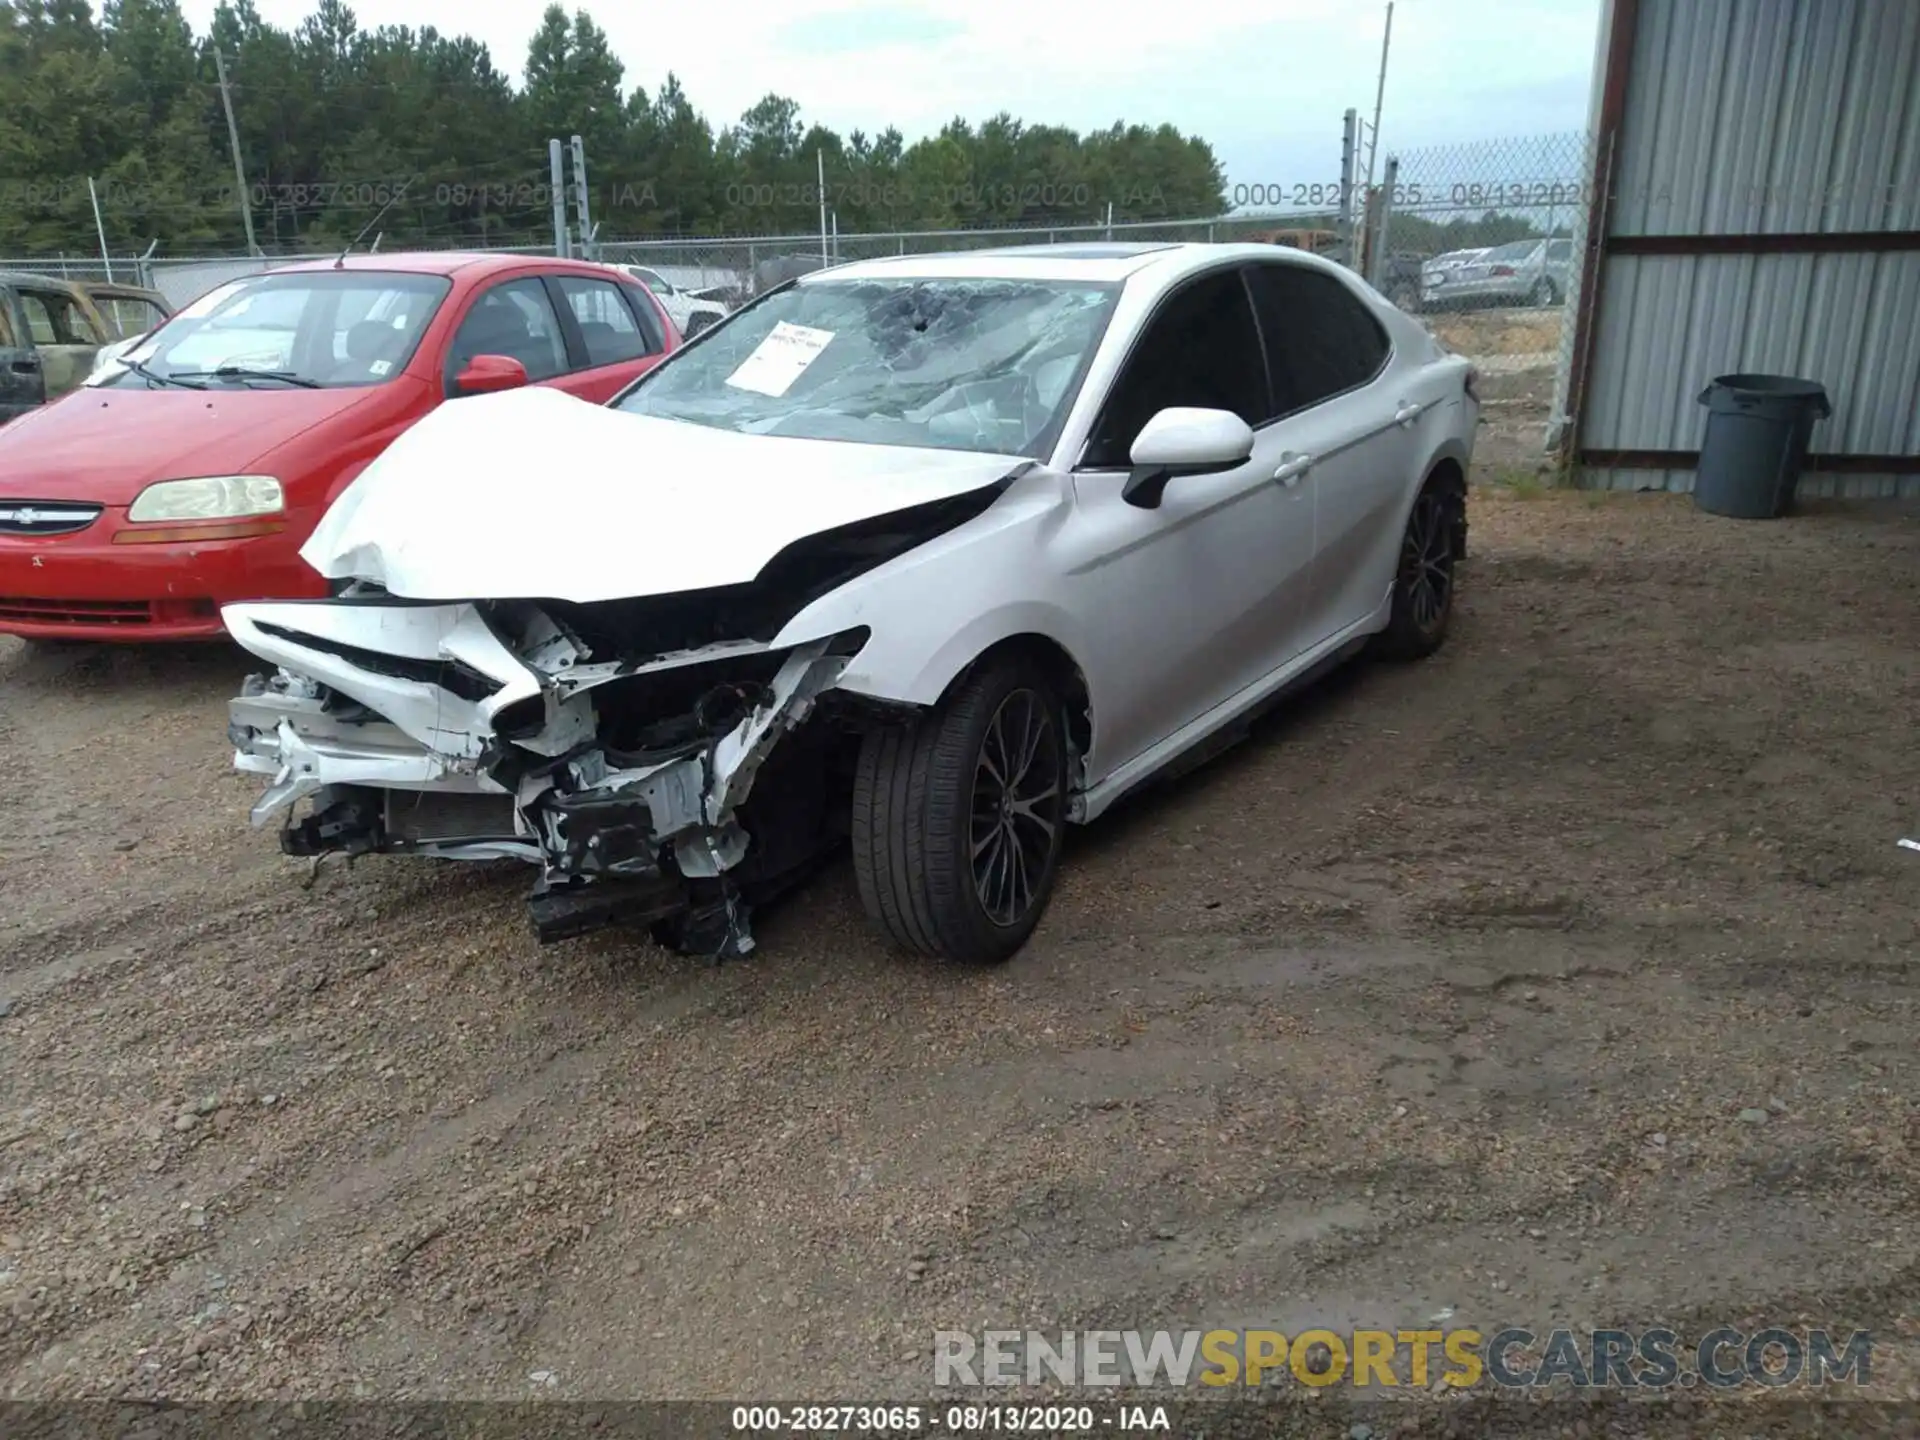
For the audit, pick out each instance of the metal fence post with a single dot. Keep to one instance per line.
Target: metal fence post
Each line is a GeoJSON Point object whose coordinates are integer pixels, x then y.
{"type": "Point", "coordinates": [580, 197]}
{"type": "Point", "coordinates": [1383, 222]}
{"type": "Point", "coordinates": [559, 199]}
{"type": "Point", "coordinates": [1349, 141]}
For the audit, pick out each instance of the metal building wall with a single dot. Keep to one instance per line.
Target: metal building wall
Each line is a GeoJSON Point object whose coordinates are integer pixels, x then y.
{"type": "Point", "coordinates": [1759, 211]}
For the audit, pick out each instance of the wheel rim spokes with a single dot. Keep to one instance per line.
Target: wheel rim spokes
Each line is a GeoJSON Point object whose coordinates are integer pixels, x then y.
{"type": "Point", "coordinates": [1426, 561]}
{"type": "Point", "coordinates": [1014, 821]}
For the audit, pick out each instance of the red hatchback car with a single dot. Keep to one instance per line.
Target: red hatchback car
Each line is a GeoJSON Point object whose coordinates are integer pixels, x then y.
{"type": "Point", "coordinates": [134, 508]}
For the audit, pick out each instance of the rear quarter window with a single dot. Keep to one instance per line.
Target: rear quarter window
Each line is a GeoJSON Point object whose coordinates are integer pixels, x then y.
{"type": "Point", "coordinates": [1321, 340]}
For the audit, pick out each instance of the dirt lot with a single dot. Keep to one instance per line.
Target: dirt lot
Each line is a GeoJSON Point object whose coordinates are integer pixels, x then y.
{"type": "Point", "coordinates": [1507, 338]}
{"type": "Point", "coordinates": [1448, 990]}
{"type": "Point", "coordinates": [1518, 352]}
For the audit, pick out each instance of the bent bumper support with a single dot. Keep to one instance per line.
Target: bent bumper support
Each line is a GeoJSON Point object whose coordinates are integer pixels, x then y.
{"type": "Point", "coordinates": [652, 842]}
{"type": "Point", "coordinates": [676, 816]}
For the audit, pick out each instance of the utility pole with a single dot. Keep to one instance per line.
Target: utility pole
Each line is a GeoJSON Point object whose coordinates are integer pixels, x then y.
{"type": "Point", "coordinates": [559, 185]}
{"type": "Point", "coordinates": [233, 139]}
{"type": "Point", "coordinates": [100, 226]}
{"type": "Point", "coordinates": [1380, 93]}
{"type": "Point", "coordinates": [587, 247]}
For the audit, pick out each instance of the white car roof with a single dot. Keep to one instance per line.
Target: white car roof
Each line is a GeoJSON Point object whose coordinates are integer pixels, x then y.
{"type": "Point", "coordinates": [1098, 263]}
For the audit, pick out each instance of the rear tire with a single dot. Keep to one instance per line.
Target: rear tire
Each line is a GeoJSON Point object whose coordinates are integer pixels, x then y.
{"type": "Point", "coordinates": [958, 819]}
{"type": "Point", "coordinates": [698, 323]}
{"type": "Point", "coordinates": [1541, 295]}
{"type": "Point", "coordinates": [1423, 585]}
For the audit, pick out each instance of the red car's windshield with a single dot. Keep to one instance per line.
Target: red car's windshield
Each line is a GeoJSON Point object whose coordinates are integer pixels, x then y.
{"type": "Point", "coordinates": [344, 328]}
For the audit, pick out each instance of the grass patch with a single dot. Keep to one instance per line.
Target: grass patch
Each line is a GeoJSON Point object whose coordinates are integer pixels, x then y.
{"type": "Point", "coordinates": [1519, 484]}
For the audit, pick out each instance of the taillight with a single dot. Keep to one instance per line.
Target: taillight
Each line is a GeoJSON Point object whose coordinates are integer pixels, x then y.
{"type": "Point", "coordinates": [1503, 270]}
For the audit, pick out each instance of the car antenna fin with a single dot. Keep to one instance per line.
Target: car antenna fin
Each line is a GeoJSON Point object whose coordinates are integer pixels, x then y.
{"type": "Point", "coordinates": [398, 194]}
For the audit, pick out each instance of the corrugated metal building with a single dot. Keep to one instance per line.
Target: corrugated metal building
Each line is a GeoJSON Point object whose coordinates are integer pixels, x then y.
{"type": "Point", "coordinates": [1756, 209]}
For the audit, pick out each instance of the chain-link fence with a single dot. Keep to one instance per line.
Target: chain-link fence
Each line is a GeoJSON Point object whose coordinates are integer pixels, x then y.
{"type": "Point", "coordinates": [1483, 242]}
{"type": "Point", "coordinates": [741, 267]}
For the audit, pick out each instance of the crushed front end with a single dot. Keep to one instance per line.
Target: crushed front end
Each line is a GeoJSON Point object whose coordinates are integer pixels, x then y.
{"type": "Point", "coordinates": [656, 771]}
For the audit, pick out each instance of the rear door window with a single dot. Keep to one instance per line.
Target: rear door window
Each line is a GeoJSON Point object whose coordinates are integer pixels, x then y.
{"type": "Point", "coordinates": [1320, 339]}
{"type": "Point", "coordinates": [130, 315]}
{"type": "Point", "coordinates": [54, 319]}
{"type": "Point", "coordinates": [607, 324]}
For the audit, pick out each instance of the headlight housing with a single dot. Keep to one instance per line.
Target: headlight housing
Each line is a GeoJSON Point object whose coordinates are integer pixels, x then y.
{"type": "Point", "coordinates": [211, 497]}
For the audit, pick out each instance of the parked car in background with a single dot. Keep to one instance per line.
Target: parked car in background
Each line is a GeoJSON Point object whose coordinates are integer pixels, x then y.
{"type": "Point", "coordinates": [190, 476]}
{"type": "Point", "coordinates": [1435, 274]}
{"type": "Point", "coordinates": [778, 269]}
{"type": "Point", "coordinates": [690, 313]}
{"type": "Point", "coordinates": [1314, 242]}
{"type": "Point", "coordinates": [106, 360]}
{"type": "Point", "coordinates": [49, 335]}
{"type": "Point", "coordinates": [1525, 272]}
{"type": "Point", "coordinates": [940, 552]}
{"type": "Point", "coordinates": [131, 311]}
{"type": "Point", "coordinates": [1400, 278]}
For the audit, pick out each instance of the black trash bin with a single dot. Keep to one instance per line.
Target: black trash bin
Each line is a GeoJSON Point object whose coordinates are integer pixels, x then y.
{"type": "Point", "coordinates": [1758, 429]}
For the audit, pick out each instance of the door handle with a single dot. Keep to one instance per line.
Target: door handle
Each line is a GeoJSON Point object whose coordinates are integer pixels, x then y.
{"type": "Point", "coordinates": [29, 366]}
{"type": "Point", "coordinates": [1292, 468]}
{"type": "Point", "coordinates": [1408, 412]}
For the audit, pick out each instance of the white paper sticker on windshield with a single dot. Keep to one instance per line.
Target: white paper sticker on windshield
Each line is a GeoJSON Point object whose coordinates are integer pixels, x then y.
{"type": "Point", "coordinates": [380, 367]}
{"type": "Point", "coordinates": [780, 359]}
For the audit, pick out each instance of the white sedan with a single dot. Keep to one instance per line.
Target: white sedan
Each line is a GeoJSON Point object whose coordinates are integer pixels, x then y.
{"type": "Point", "coordinates": [938, 554]}
{"type": "Point", "coordinates": [106, 361]}
{"type": "Point", "coordinates": [689, 312]}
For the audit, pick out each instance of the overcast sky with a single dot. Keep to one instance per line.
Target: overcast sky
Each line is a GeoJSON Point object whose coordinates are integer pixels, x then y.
{"type": "Point", "coordinates": [1266, 81]}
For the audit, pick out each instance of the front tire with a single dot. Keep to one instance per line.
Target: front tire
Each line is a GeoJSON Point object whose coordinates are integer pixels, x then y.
{"type": "Point", "coordinates": [1423, 585]}
{"type": "Point", "coordinates": [958, 819]}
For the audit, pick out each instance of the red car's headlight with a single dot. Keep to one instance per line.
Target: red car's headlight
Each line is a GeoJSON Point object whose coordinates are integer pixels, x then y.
{"type": "Point", "coordinates": [208, 497]}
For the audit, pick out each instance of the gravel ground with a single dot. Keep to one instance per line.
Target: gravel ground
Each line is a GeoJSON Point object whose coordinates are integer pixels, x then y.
{"type": "Point", "coordinates": [1448, 989]}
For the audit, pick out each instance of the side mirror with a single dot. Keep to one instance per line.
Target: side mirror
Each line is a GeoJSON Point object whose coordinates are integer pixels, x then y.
{"type": "Point", "coordinates": [487, 373]}
{"type": "Point", "coordinates": [1184, 440]}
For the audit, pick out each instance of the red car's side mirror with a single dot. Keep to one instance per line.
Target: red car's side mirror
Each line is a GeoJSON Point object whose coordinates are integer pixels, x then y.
{"type": "Point", "coordinates": [487, 373]}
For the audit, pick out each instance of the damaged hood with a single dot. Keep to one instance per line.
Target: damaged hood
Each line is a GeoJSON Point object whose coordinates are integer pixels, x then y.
{"type": "Point", "coordinates": [533, 494]}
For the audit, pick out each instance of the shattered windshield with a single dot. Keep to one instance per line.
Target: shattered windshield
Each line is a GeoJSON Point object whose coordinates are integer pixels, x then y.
{"type": "Point", "coordinates": [946, 364]}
